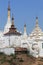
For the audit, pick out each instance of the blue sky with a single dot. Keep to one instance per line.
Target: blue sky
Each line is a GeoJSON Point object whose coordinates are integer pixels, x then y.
{"type": "Point", "coordinates": [25, 12]}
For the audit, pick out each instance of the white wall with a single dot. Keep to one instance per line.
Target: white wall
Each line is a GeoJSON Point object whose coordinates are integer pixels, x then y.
{"type": "Point", "coordinates": [7, 51]}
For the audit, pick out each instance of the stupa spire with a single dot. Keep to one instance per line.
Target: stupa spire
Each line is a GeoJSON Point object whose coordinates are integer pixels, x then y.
{"type": "Point", "coordinates": [8, 24]}
{"type": "Point", "coordinates": [12, 19]}
{"type": "Point", "coordinates": [37, 22]}
{"type": "Point", "coordinates": [25, 29]}
{"type": "Point", "coordinates": [9, 10]}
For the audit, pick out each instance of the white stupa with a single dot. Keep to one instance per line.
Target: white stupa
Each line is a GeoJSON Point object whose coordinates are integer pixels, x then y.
{"type": "Point", "coordinates": [8, 24]}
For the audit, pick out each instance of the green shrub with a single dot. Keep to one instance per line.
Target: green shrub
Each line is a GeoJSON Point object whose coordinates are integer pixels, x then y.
{"type": "Point", "coordinates": [1, 53]}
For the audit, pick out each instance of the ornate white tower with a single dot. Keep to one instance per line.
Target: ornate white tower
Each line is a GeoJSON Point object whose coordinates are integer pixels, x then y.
{"type": "Point", "coordinates": [8, 24]}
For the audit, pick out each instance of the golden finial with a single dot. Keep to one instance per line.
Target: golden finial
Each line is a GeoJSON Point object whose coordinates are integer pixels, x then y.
{"type": "Point", "coordinates": [9, 10]}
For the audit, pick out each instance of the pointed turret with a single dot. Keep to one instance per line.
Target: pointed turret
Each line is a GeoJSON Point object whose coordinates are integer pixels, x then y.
{"type": "Point", "coordinates": [12, 29]}
{"type": "Point", "coordinates": [12, 25]}
{"type": "Point", "coordinates": [37, 22]}
{"type": "Point", "coordinates": [12, 19]}
{"type": "Point", "coordinates": [25, 29]}
{"type": "Point", "coordinates": [9, 10]}
{"type": "Point", "coordinates": [37, 31]}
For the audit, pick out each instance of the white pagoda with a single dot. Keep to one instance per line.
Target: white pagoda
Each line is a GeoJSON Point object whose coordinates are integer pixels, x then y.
{"type": "Point", "coordinates": [10, 38]}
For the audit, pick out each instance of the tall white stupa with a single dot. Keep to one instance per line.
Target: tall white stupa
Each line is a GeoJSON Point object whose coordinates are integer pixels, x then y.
{"type": "Point", "coordinates": [8, 24]}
